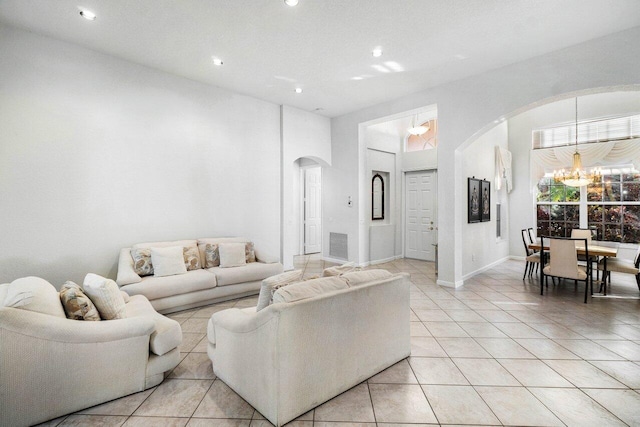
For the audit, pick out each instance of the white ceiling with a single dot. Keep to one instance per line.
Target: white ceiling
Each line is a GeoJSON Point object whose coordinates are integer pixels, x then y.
{"type": "Point", "coordinates": [269, 48]}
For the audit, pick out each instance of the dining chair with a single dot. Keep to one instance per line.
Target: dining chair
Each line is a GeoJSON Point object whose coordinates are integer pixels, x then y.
{"type": "Point", "coordinates": [584, 233]}
{"type": "Point", "coordinates": [620, 266]}
{"type": "Point", "coordinates": [532, 238]}
{"type": "Point", "coordinates": [532, 258]}
{"type": "Point", "coordinates": [563, 261]}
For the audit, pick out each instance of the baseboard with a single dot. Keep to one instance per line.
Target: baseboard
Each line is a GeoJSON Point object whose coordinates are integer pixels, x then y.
{"type": "Point", "coordinates": [516, 257]}
{"type": "Point", "coordinates": [448, 284]}
{"type": "Point", "coordinates": [485, 268]}
{"type": "Point", "coordinates": [335, 260]}
{"type": "Point", "coordinates": [363, 264]}
{"type": "Point", "coordinates": [382, 261]}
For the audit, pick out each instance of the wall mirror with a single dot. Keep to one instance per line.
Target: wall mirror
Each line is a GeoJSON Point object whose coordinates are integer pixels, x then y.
{"type": "Point", "coordinates": [377, 197]}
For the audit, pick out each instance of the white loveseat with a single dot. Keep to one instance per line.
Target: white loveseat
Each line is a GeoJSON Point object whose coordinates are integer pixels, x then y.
{"type": "Point", "coordinates": [196, 287]}
{"type": "Point", "coordinates": [292, 356]}
{"type": "Point", "coordinates": [51, 366]}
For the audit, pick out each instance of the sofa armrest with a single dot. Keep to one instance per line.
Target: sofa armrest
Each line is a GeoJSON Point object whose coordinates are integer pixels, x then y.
{"type": "Point", "coordinates": [57, 329]}
{"type": "Point", "coordinates": [240, 322]}
{"type": "Point", "coordinates": [266, 258]}
{"type": "Point", "coordinates": [126, 274]}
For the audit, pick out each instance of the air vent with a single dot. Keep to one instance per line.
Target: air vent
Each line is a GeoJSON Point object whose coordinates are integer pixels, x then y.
{"type": "Point", "coordinates": [338, 246]}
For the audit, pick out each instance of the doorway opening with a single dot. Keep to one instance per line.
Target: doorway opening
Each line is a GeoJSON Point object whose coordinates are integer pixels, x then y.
{"type": "Point", "coordinates": [421, 210]}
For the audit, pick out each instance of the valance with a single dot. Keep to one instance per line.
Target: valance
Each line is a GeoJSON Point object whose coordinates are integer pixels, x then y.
{"type": "Point", "coordinates": [612, 153]}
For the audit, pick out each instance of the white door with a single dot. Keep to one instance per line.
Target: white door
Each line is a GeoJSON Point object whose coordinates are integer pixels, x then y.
{"type": "Point", "coordinates": [312, 210]}
{"type": "Point", "coordinates": [420, 215]}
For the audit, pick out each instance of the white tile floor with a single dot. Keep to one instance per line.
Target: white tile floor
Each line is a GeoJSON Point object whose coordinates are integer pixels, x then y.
{"type": "Point", "coordinates": [493, 352]}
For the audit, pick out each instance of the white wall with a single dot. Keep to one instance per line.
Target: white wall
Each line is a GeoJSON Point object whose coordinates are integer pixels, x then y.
{"type": "Point", "coordinates": [466, 109]}
{"type": "Point", "coordinates": [481, 248]}
{"type": "Point", "coordinates": [520, 127]}
{"type": "Point", "coordinates": [304, 135]}
{"type": "Point", "coordinates": [97, 153]}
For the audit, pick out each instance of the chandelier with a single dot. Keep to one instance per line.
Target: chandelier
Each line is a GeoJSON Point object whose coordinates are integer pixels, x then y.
{"type": "Point", "coordinates": [577, 176]}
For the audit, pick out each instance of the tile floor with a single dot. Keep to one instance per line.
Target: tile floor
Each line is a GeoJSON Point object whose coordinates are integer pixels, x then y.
{"type": "Point", "coordinates": [493, 352]}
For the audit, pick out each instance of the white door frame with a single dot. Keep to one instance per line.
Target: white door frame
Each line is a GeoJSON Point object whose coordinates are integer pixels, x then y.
{"type": "Point", "coordinates": [404, 202]}
{"type": "Point", "coordinates": [301, 213]}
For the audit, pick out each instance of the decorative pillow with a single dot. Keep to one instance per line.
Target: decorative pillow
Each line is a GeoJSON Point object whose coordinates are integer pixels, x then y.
{"type": "Point", "coordinates": [273, 283]}
{"type": "Point", "coordinates": [249, 252]}
{"type": "Point", "coordinates": [34, 294]}
{"type": "Point", "coordinates": [142, 261]}
{"type": "Point", "coordinates": [211, 255]}
{"type": "Point", "coordinates": [356, 278]}
{"type": "Point", "coordinates": [191, 258]}
{"type": "Point", "coordinates": [106, 296]}
{"type": "Point", "coordinates": [76, 304]}
{"type": "Point", "coordinates": [309, 289]}
{"type": "Point", "coordinates": [232, 255]}
{"type": "Point", "coordinates": [168, 261]}
{"type": "Point", "coordinates": [340, 269]}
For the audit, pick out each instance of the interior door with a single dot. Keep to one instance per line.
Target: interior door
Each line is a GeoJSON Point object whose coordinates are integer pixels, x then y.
{"type": "Point", "coordinates": [312, 210]}
{"type": "Point", "coordinates": [420, 215]}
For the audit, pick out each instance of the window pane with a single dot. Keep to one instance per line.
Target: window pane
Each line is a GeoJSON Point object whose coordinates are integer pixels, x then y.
{"type": "Point", "coordinates": [557, 212]}
{"type": "Point", "coordinates": [543, 213]}
{"type": "Point", "coordinates": [631, 224]}
{"type": "Point", "coordinates": [612, 232]}
{"type": "Point", "coordinates": [556, 229]}
{"type": "Point", "coordinates": [572, 213]}
{"type": "Point", "coordinates": [612, 191]}
{"type": "Point", "coordinates": [595, 214]}
{"type": "Point", "coordinates": [594, 192]}
{"type": "Point", "coordinates": [572, 194]}
{"type": "Point", "coordinates": [543, 190]}
{"type": "Point", "coordinates": [613, 214]}
{"type": "Point", "coordinates": [557, 193]}
{"type": "Point", "coordinates": [631, 177]}
{"type": "Point", "coordinates": [543, 228]}
{"type": "Point", "coordinates": [631, 192]}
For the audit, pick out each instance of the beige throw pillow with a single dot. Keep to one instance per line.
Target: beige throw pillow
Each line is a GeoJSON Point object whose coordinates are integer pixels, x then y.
{"type": "Point", "coordinates": [106, 296]}
{"type": "Point", "coordinates": [168, 261]}
{"type": "Point", "coordinates": [77, 305]}
{"type": "Point", "coordinates": [273, 283]}
{"type": "Point", "coordinates": [142, 261]}
{"type": "Point", "coordinates": [249, 252]}
{"type": "Point", "coordinates": [191, 258]}
{"type": "Point", "coordinates": [211, 255]}
{"type": "Point", "coordinates": [34, 294]}
{"type": "Point", "coordinates": [232, 255]}
{"type": "Point", "coordinates": [340, 269]}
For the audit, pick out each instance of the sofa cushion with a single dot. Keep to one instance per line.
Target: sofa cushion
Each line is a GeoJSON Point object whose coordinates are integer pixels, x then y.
{"type": "Point", "coordinates": [4, 288]}
{"type": "Point", "coordinates": [142, 261]}
{"type": "Point", "coordinates": [106, 295]}
{"type": "Point", "coordinates": [309, 289]}
{"type": "Point", "coordinates": [340, 269]}
{"type": "Point", "coordinates": [191, 258]}
{"type": "Point", "coordinates": [360, 277]}
{"type": "Point", "coordinates": [232, 254]}
{"type": "Point", "coordinates": [273, 283]}
{"type": "Point", "coordinates": [160, 287]}
{"type": "Point", "coordinates": [168, 261]}
{"type": "Point", "coordinates": [34, 294]}
{"type": "Point", "coordinates": [167, 334]}
{"type": "Point", "coordinates": [77, 305]}
{"type": "Point", "coordinates": [247, 273]}
{"type": "Point", "coordinates": [202, 243]}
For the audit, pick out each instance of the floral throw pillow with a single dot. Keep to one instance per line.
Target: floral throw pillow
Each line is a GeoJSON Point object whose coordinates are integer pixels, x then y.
{"type": "Point", "coordinates": [211, 255]}
{"type": "Point", "coordinates": [191, 258]}
{"type": "Point", "coordinates": [249, 252]}
{"type": "Point", "coordinates": [77, 305]}
{"type": "Point", "coordinates": [142, 261]}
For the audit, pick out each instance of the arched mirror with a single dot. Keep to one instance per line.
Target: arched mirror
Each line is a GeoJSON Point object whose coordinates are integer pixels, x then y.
{"type": "Point", "coordinates": [377, 197]}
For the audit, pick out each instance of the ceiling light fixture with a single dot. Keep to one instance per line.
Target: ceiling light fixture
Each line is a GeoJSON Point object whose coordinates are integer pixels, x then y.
{"type": "Point", "coordinates": [416, 129]}
{"type": "Point", "coordinates": [291, 2]}
{"type": "Point", "coordinates": [217, 61]}
{"type": "Point", "coordinates": [577, 176]}
{"type": "Point", "coordinates": [88, 15]}
{"type": "Point", "coordinates": [377, 52]}
{"type": "Point", "coordinates": [298, 90]}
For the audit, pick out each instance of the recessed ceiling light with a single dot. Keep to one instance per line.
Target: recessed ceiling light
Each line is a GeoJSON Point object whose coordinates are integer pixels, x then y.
{"type": "Point", "coordinates": [217, 61]}
{"type": "Point", "coordinates": [377, 52]}
{"type": "Point", "coordinates": [87, 14]}
{"type": "Point", "coordinates": [291, 2]}
{"type": "Point", "coordinates": [357, 78]}
{"type": "Point", "coordinates": [298, 90]}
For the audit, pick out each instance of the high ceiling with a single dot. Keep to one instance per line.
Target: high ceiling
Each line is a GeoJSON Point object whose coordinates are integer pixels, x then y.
{"type": "Point", "coordinates": [269, 48]}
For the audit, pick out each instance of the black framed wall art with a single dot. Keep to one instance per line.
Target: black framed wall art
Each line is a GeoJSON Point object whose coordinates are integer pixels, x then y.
{"type": "Point", "coordinates": [474, 200]}
{"type": "Point", "coordinates": [485, 202]}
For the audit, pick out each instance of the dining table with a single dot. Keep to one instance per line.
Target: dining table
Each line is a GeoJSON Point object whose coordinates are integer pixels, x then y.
{"type": "Point", "coordinates": [594, 250]}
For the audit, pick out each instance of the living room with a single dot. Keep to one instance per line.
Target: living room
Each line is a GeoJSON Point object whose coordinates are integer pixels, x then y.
{"type": "Point", "coordinates": [101, 149]}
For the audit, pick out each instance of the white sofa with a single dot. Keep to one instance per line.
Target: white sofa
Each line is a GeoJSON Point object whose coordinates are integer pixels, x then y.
{"type": "Point", "coordinates": [51, 366]}
{"type": "Point", "coordinates": [196, 287]}
{"type": "Point", "coordinates": [292, 356]}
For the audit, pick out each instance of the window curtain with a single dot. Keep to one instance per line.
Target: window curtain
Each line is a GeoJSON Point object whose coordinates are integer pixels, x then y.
{"type": "Point", "coordinates": [597, 154]}
{"type": "Point", "coordinates": [503, 169]}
